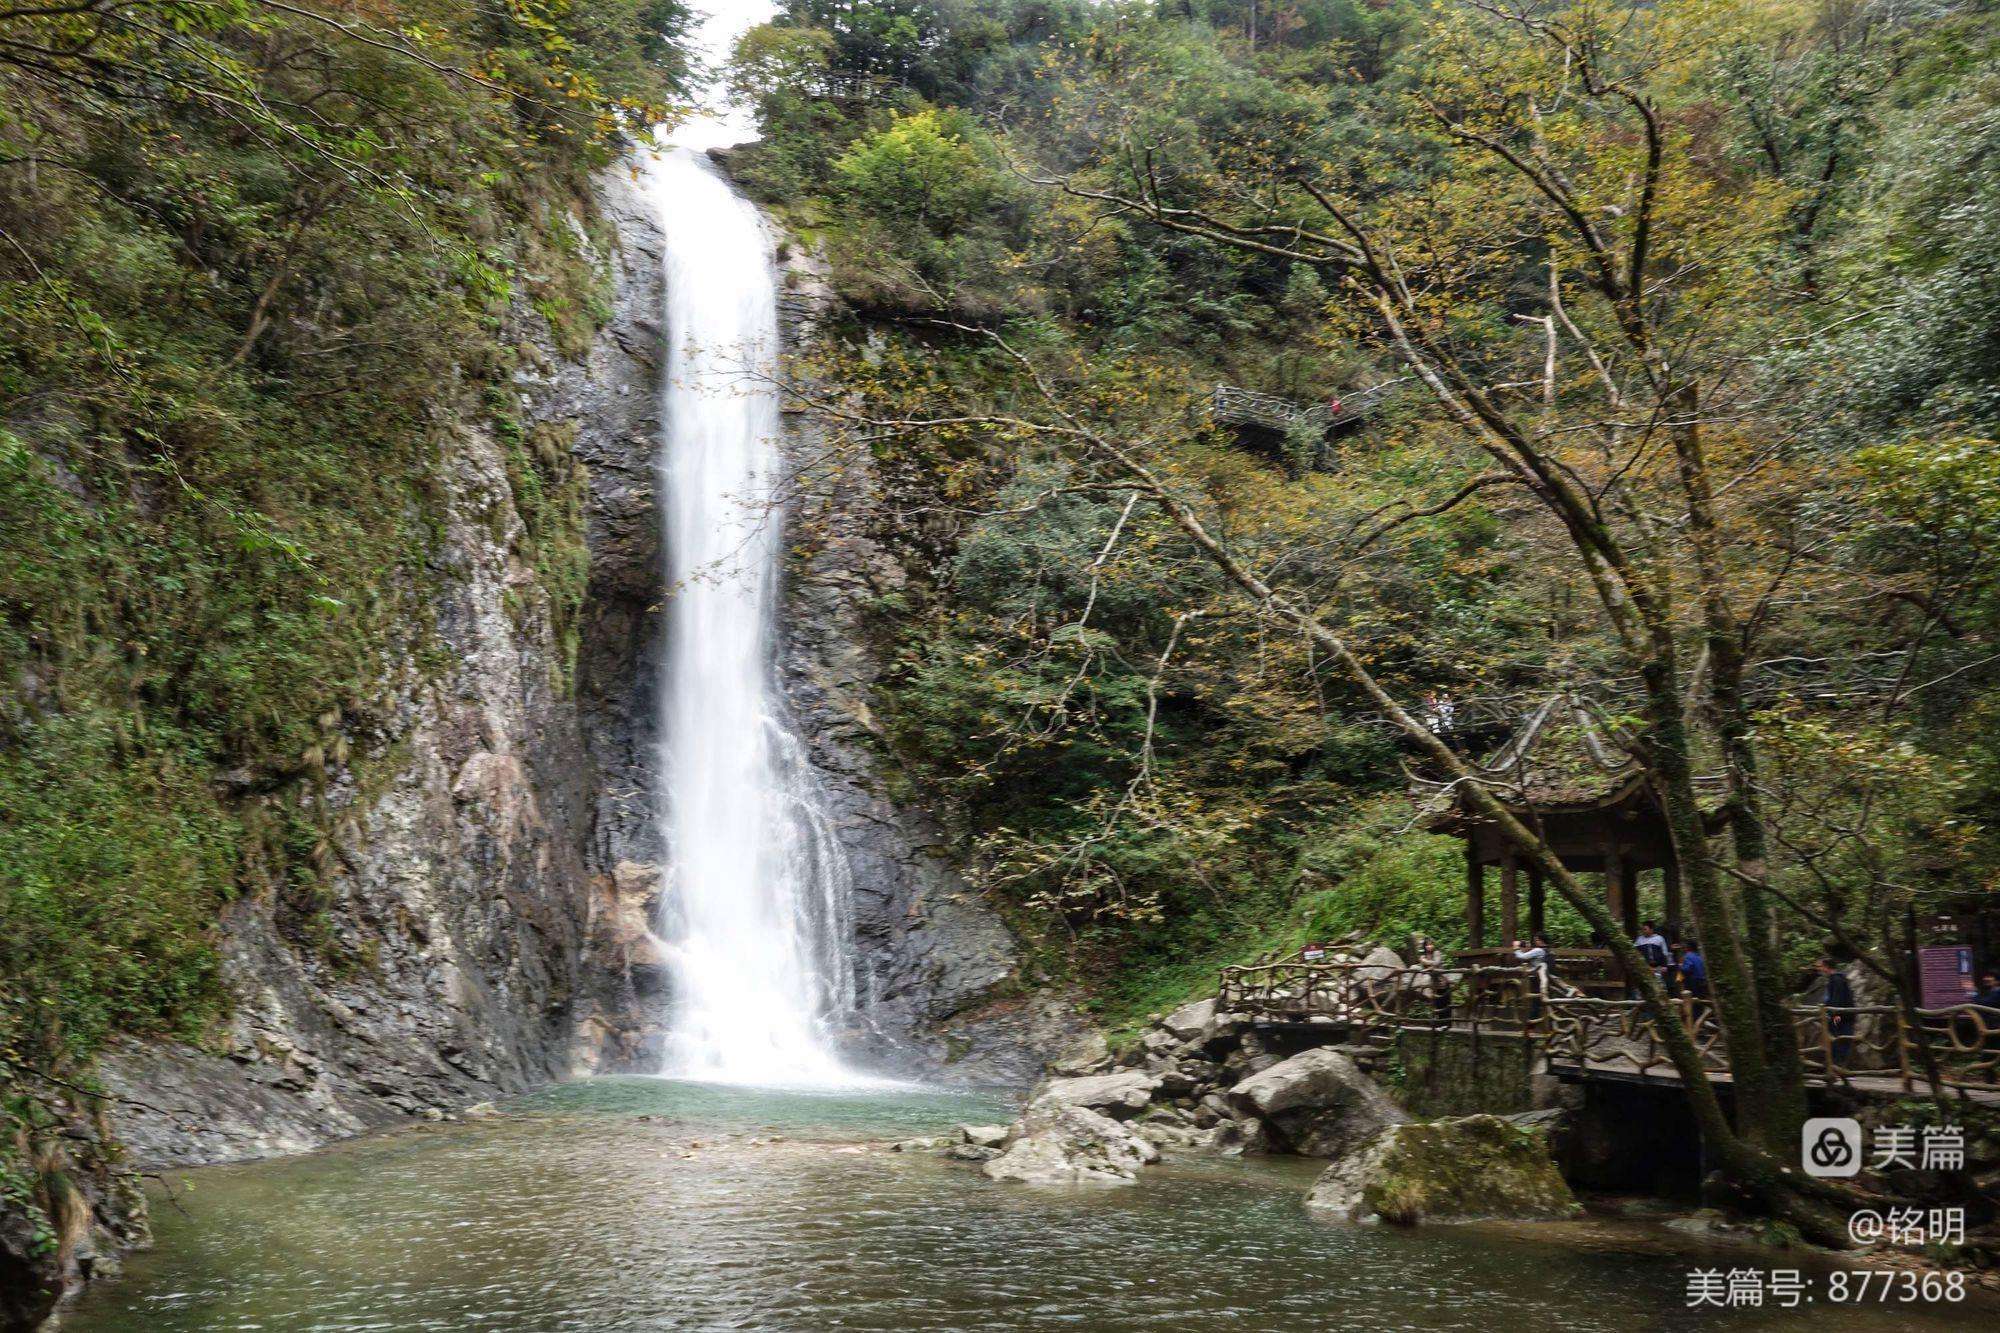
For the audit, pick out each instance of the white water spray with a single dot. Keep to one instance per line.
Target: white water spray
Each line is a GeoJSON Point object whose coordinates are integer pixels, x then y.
{"type": "Point", "coordinates": [755, 917]}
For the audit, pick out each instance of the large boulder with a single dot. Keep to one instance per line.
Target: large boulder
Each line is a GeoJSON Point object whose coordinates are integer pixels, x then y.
{"type": "Point", "coordinates": [1478, 1167]}
{"type": "Point", "coordinates": [1379, 964]}
{"type": "Point", "coordinates": [1088, 1054]}
{"type": "Point", "coordinates": [1070, 1145]}
{"type": "Point", "coordinates": [1120, 1094]}
{"type": "Point", "coordinates": [1316, 1104]}
{"type": "Point", "coordinates": [1191, 1022]}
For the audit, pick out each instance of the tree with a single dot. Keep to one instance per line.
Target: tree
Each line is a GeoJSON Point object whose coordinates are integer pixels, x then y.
{"type": "Point", "coordinates": [1567, 179]}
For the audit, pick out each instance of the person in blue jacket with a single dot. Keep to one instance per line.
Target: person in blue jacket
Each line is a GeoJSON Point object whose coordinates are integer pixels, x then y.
{"type": "Point", "coordinates": [1692, 970]}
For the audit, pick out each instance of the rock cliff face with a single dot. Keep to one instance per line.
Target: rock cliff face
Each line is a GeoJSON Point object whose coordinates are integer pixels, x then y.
{"type": "Point", "coordinates": [454, 904]}
{"type": "Point", "coordinates": [497, 862]}
{"type": "Point", "coordinates": [935, 965]}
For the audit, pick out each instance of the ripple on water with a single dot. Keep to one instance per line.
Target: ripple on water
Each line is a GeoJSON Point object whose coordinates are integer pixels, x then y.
{"type": "Point", "coordinates": [590, 1208]}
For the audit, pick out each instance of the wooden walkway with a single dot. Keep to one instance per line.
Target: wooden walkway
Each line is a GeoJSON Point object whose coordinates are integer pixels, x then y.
{"type": "Point", "coordinates": [1588, 1037]}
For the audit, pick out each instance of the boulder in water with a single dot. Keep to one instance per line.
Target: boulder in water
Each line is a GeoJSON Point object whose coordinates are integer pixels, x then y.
{"type": "Point", "coordinates": [983, 1136]}
{"type": "Point", "coordinates": [1121, 1094]}
{"type": "Point", "coordinates": [1475, 1168]}
{"type": "Point", "coordinates": [971, 1152]}
{"type": "Point", "coordinates": [936, 1143]}
{"type": "Point", "coordinates": [1057, 1144]}
{"type": "Point", "coordinates": [1316, 1104]}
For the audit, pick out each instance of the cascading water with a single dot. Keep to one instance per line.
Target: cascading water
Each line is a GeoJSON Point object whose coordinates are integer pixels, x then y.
{"type": "Point", "coordinates": [755, 918]}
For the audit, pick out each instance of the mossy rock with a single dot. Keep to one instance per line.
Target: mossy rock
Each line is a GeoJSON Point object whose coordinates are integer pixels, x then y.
{"type": "Point", "coordinates": [1474, 1168]}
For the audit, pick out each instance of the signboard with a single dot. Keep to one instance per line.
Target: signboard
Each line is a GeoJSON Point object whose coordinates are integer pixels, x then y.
{"type": "Point", "coordinates": [1945, 972]}
{"type": "Point", "coordinates": [1312, 953]}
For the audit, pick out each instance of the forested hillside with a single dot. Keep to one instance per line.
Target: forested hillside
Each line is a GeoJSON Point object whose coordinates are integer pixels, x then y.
{"type": "Point", "coordinates": [1718, 277]}
{"type": "Point", "coordinates": [1265, 409]}
{"type": "Point", "coordinates": [257, 264]}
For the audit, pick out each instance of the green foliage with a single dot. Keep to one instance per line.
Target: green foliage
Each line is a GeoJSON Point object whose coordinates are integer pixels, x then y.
{"type": "Point", "coordinates": [1152, 781]}
{"type": "Point", "coordinates": [914, 175]}
{"type": "Point", "coordinates": [256, 272]}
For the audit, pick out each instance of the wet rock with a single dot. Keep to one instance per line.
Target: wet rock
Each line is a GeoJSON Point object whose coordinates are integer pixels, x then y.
{"type": "Point", "coordinates": [1241, 1138]}
{"type": "Point", "coordinates": [972, 1152]}
{"type": "Point", "coordinates": [933, 1143]}
{"type": "Point", "coordinates": [983, 1136]}
{"type": "Point", "coordinates": [1316, 1104]}
{"type": "Point", "coordinates": [1119, 1095]}
{"type": "Point", "coordinates": [1474, 1168]}
{"type": "Point", "coordinates": [1059, 1144]}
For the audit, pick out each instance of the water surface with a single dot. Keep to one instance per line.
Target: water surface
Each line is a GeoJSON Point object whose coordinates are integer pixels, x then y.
{"type": "Point", "coordinates": [646, 1204]}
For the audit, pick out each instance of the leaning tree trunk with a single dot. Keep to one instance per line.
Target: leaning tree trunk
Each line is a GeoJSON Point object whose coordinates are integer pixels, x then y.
{"type": "Point", "coordinates": [1776, 1109]}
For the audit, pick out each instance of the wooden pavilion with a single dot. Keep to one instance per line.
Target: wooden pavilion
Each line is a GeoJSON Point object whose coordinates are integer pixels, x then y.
{"type": "Point", "coordinates": [1594, 808]}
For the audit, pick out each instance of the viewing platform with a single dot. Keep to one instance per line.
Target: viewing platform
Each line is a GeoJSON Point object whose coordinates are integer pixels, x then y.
{"type": "Point", "coordinates": [1580, 1036]}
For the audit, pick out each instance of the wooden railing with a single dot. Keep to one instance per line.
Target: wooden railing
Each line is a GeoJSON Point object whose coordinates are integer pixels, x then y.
{"type": "Point", "coordinates": [1838, 1046]}
{"type": "Point", "coordinates": [1619, 1037]}
{"type": "Point", "coordinates": [1234, 405]}
{"type": "Point", "coordinates": [1500, 999]}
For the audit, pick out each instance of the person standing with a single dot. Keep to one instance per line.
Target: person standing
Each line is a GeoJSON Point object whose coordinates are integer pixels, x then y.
{"type": "Point", "coordinates": [1839, 1004]}
{"type": "Point", "coordinates": [1652, 946]}
{"type": "Point", "coordinates": [1988, 994]}
{"type": "Point", "coordinates": [1535, 957]}
{"type": "Point", "coordinates": [1435, 983]}
{"type": "Point", "coordinates": [1692, 969]}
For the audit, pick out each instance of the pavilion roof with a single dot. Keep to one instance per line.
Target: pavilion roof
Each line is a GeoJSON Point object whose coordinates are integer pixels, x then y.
{"type": "Point", "coordinates": [1556, 759]}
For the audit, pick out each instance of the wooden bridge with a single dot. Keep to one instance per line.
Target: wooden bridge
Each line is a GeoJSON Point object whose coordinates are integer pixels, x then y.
{"type": "Point", "coordinates": [1582, 1036]}
{"type": "Point", "coordinates": [1243, 408]}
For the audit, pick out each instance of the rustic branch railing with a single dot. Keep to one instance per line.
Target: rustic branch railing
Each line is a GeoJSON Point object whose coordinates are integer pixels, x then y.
{"type": "Point", "coordinates": [1839, 1046]}
{"type": "Point", "coordinates": [1876, 1042]}
{"type": "Point", "coordinates": [1381, 997]}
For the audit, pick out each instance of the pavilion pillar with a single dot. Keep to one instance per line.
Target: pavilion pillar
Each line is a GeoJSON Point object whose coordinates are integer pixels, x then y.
{"type": "Point", "coordinates": [1616, 887]}
{"type": "Point", "coordinates": [1670, 889]}
{"type": "Point", "coordinates": [1510, 899]}
{"type": "Point", "coordinates": [1475, 896]}
{"type": "Point", "coordinates": [1536, 901]}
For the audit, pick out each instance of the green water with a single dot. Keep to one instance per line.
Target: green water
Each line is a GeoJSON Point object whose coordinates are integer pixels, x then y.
{"type": "Point", "coordinates": [641, 1204]}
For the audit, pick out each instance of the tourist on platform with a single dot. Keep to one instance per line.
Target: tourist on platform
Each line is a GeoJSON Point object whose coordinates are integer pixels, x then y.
{"type": "Point", "coordinates": [1434, 982]}
{"type": "Point", "coordinates": [1980, 1030]}
{"type": "Point", "coordinates": [1535, 957]}
{"type": "Point", "coordinates": [1692, 970]}
{"type": "Point", "coordinates": [1839, 1003]}
{"type": "Point", "coordinates": [1652, 947]}
{"type": "Point", "coordinates": [1988, 994]}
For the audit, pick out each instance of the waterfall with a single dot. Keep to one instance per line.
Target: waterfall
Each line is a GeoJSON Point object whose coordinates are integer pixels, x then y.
{"type": "Point", "coordinates": [755, 917]}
